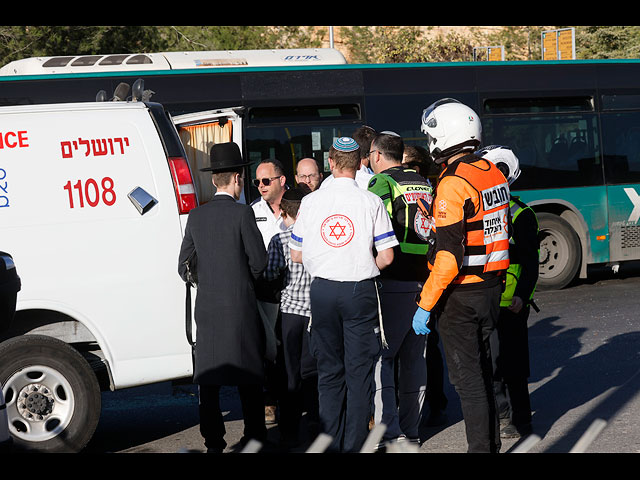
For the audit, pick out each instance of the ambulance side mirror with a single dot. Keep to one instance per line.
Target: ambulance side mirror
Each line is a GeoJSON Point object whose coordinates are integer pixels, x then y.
{"type": "Point", "coordinates": [101, 96]}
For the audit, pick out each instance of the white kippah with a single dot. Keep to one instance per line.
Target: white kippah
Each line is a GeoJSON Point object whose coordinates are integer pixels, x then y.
{"type": "Point", "coordinates": [345, 144]}
{"type": "Point", "coordinates": [389, 132]}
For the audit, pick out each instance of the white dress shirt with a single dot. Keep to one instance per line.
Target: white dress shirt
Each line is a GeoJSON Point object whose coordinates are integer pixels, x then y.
{"type": "Point", "coordinates": [363, 175]}
{"type": "Point", "coordinates": [267, 222]}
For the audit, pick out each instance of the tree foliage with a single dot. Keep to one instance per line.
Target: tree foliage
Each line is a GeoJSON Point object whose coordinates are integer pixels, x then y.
{"type": "Point", "coordinates": [365, 44]}
{"type": "Point", "coordinates": [519, 42]}
{"type": "Point", "coordinates": [401, 44]}
{"type": "Point", "coordinates": [608, 42]}
{"type": "Point", "coordinates": [404, 45]}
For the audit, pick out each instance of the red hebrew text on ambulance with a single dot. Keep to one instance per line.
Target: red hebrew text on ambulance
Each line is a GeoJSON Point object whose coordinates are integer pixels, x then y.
{"type": "Point", "coordinates": [94, 147]}
{"type": "Point", "coordinates": [92, 192]}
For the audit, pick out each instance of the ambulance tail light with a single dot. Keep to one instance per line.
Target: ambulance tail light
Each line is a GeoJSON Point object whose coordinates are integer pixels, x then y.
{"type": "Point", "coordinates": [183, 183]}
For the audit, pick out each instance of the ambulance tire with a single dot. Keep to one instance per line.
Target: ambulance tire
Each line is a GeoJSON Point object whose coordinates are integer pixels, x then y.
{"type": "Point", "coordinates": [560, 252]}
{"type": "Point", "coordinates": [52, 395]}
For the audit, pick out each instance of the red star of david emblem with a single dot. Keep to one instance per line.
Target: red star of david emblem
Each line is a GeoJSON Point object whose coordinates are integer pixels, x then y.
{"type": "Point", "coordinates": [340, 233]}
{"type": "Point", "coordinates": [337, 230]}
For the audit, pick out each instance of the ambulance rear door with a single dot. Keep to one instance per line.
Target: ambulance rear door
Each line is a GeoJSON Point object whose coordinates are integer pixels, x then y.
{"type": "Point", "coordinates": [198, 132]}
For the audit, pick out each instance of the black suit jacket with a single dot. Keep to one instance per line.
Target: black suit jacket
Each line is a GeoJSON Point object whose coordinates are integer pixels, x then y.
{"type": "Point", "coordinates": [230, 257]}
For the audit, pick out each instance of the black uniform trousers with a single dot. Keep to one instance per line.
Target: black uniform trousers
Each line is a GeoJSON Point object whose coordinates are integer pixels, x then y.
{"type": "Point", "coordinates": [211, 421]}
{"type": "Point", "coordinates": [434, 395]}
{"type": "Point", "coordinates": [345, 340]}
{"type": "Point", "coordinates": [510, 352]}
{"type": "Point", "coordinates": [299, 390]}
{"type": "Point", "coordinates": [467, 319]}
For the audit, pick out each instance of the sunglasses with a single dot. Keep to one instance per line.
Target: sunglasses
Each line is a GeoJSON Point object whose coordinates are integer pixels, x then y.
{"type": "Point", "coordinates": [265, 181]}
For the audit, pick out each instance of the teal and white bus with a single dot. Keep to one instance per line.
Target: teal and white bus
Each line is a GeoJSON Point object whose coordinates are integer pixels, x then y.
{"type": "Point", "coordinates": [575, 125]}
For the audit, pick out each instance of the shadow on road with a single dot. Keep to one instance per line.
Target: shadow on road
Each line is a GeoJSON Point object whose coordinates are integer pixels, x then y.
{"type": "Point", "coordinates": [136, 416]}
{"type": "Point", "coordinates": [579, 379]}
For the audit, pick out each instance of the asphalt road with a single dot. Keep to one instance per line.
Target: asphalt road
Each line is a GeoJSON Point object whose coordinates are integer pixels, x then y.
{"type": "Point", "coordinates": [584, 385]}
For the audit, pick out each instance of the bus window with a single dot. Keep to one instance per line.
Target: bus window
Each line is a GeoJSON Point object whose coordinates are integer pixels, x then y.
{"type": "Point", "coordinates": [538, 105]}
{"type": "Point", "coordinates": [86, 61]}
{"type": "Point", "coordinates": [289, 144]}
{"type": "Point", "coordinates": [291, 133]}
{"type": "Point", "coordinates": [113, 60]}
{"type": "Point", "coordinates": [621, 148]}
{"type": "Point", "coordinates": [555, 150]}
{"type": "Point", "coordinates": [139, 60]}
{"type": "Point", "coordinates": [57, 62]}
{"type": "Point", "coordinates": [621, 134]}
{"type": "Point", "coordinates": [303, 113]}
{"type": "Point", "coordinates": [403, 113]}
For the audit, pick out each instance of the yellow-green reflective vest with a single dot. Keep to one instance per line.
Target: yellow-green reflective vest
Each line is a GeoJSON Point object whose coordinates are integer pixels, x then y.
{"type": "Point", "coordinates": [515, 269]}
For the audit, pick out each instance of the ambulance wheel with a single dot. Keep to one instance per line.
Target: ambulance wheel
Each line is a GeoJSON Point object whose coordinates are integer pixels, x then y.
{"type": "Point", "coordinates": [52, 395]}
{"type": "Point", "coordinates": [560, 252]}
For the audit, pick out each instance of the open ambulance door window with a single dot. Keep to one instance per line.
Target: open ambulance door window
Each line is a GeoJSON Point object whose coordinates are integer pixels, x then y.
{"type": "Point", "coordinates": [198, 133]}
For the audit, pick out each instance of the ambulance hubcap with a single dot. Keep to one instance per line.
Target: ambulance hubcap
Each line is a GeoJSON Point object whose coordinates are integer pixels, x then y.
{"type": "Point", "coordinates": [40, 403]}
{"type": "Point", "coordinates": [35, 402]}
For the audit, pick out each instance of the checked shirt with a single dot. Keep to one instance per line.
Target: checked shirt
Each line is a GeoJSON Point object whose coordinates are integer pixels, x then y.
{"type": "Point", "coordinates": [295, 296]}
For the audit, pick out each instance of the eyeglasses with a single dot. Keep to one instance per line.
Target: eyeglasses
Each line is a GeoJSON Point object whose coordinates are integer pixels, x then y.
{"type": "Point", "coordinates": [304, 178]}
{"type": "Point", "coordinates": [265, 181]}
{"type": "Point", "coordinates": [372, 151]}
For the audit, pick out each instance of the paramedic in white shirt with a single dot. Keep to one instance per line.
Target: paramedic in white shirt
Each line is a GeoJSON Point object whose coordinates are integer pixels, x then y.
{"type": "Point", "coordinates": [363, 137]}
{"type": "Point", "coordinates": [334, 237]}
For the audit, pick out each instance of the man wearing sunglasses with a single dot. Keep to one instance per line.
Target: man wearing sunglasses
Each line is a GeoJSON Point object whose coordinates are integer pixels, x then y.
{"type": "Point", "coordinates": [270, 182]}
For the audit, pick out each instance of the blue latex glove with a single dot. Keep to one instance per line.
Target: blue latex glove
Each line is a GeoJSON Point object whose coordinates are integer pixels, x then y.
{"type": "Point", "coordinates": [420, 319]}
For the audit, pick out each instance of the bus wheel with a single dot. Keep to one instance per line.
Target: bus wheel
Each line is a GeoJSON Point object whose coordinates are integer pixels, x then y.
{"type": "Point", "coordinates": [52, 396]}
{"type": "Point", "coordinates": [560, 252]}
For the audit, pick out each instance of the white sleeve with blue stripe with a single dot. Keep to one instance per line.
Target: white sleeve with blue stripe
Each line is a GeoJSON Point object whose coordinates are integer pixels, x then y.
{"type": "Point", "coordinates": [383, 235]}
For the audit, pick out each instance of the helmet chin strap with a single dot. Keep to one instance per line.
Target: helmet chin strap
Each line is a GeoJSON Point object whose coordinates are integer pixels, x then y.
{"type": "Point", "coordinates": [442, 156]}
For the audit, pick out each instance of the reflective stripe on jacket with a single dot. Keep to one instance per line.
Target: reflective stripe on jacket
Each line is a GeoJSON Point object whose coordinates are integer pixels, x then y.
{"type": "Point", "coordinates": [471, 213]}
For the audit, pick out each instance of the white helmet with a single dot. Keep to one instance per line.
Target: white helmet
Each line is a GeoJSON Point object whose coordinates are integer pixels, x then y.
{"type": "Point", "coordinates": [503, 158]}
{"type": "Point", "coordinates": [450, 127]}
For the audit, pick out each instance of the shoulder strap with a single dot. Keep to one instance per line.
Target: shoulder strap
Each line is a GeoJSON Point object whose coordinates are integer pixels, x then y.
{"type": "Point", "coordinates": [188, 321]}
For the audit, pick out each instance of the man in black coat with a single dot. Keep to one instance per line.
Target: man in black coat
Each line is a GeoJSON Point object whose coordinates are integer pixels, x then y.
{"type": "Point", "coordinates": [230, 336]}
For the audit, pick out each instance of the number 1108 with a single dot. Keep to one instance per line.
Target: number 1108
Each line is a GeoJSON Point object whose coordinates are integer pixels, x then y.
{"type": "Point", "coordinates": [91, 193]}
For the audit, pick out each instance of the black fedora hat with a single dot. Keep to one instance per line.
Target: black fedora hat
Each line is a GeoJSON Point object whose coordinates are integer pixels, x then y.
{"type": "Point", "coordinates": [224, 157]}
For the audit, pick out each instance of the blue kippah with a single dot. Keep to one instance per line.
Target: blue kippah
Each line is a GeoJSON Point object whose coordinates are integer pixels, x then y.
{"type": "Point", "coordinates": [345, 144]}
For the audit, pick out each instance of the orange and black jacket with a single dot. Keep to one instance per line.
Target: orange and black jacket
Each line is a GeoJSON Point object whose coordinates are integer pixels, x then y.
{"type": "Point", "coordinates": [471, 213]}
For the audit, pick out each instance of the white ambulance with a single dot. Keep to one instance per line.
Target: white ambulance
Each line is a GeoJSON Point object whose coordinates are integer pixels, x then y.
{"type": "Point", "coordinates": [94, 199]}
